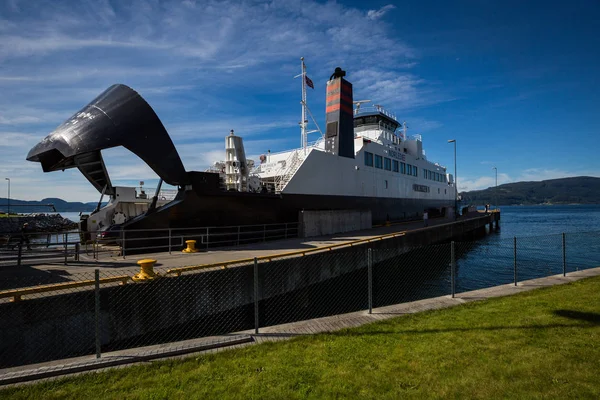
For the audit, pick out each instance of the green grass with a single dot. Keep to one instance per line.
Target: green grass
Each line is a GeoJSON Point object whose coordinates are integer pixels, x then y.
{"type": "Point", "coordinates": [540, 344]}
{"type": "Point", "coordinates": [12, 215]}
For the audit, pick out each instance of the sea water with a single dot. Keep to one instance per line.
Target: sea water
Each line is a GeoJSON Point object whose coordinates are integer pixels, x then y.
{"type": "Point", "coordinates": [537, 241]}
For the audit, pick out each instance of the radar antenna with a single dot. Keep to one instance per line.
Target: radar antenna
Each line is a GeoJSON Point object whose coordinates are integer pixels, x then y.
{"type": "Point", "coordinates": [358, 104]}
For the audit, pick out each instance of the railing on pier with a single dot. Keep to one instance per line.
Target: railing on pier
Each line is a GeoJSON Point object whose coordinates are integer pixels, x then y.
{"type": "Point", "coordinates": [42, 247]}
{"type": "Point", "coordinates": [19, 248]}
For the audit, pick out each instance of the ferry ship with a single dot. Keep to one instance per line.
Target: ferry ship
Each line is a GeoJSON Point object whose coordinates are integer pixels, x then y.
{"type": "Point", "coordinates": [364, 160]}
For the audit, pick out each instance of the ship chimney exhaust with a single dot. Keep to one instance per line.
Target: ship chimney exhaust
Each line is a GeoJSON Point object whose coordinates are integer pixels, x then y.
{"type": "Point", "coordinates": [339, 133]}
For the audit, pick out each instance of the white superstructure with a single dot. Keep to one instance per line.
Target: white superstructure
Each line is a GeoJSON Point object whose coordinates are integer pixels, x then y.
{"type": "Point", "coordinates": [387, 163]}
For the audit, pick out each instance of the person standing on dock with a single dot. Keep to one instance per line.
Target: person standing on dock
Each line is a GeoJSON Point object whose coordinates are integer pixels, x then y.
{"type": "Point", "coordinates": [425, 218]}
{"type": "Point", "coordinates": [25, 236]}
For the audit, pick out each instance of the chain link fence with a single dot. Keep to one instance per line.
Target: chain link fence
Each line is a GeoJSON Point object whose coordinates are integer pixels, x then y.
{"type": "Point", "coordinates": [112, 309]}
{"type": "Point", "coordinates": [402, 275]}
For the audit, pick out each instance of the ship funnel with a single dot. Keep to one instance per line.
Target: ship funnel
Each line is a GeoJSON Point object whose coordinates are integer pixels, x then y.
{"type": "Point", "coordinates": [339, 134]}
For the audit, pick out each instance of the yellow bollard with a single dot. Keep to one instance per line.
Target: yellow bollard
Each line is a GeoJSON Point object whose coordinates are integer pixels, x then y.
{"type": "Point", "coordinates": [191, 247]}
{"type": "Point", "coordinates": [146, 271]}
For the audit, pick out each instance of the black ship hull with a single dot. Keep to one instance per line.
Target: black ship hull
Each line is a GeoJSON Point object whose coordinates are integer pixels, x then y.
{"type": "Point", "coordinates": [239, 208]}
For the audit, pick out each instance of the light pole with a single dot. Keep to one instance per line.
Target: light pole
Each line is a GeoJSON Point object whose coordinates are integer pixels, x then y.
{"type": "Point", "coordinates": [455, 181]}
{"type": "Point", "coordinates": [496, 188]}
{"type": "Point", "coordinates": [8, 200]}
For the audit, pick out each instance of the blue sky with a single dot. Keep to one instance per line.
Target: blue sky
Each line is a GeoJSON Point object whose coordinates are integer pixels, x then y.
{"type": "Point", "coordinates": [516, 83]}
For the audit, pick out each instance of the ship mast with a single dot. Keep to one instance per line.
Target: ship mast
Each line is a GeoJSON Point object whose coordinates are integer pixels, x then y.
{"type": "Point", "coordinates": [303, 122]}
{"type": "Point", "coordinates": [305, 110]}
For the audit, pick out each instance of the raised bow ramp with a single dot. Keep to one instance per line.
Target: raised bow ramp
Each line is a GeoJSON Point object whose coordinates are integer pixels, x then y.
{"type": "Point", "coordinates": [117, 117]}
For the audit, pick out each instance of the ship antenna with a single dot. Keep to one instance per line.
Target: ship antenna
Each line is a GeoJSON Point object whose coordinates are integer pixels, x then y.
{"type": "Point", "coordinates": [305, 109]}
{"type": "Point", "coordinates": [303, 122]}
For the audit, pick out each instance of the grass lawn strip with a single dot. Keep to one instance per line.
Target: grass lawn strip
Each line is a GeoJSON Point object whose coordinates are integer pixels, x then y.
{"type": "Point", "coordinates": [539, 344]}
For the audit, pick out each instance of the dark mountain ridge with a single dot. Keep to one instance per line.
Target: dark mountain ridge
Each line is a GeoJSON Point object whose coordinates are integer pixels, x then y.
{"type": "Point", "coordinates": [575, 190]}
{"type": "Point", "coordinates": [44, 205]}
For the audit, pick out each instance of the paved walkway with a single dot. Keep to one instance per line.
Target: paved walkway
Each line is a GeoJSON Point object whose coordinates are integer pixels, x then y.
{"type": "Point", "coordinates": [272, 333]}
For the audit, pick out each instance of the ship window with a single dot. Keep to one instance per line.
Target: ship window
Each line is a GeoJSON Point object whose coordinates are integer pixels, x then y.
{"type": "Point", "coordinates": [403, 168]}
{"type": "Point", "coordinates": [438, 190]}
{"type": "Point", "coordinates": [368, 159]}
{"type": "Point", "coordinates": [387, 164]}
{"type": "Point", "coordinates": [386, 184]}
{"type": "Point", "coordinates": [378, 161]}
{"type": "Point", "coordinates": [395, 166]}
{"type": "Point", "coordinates": [445, 191]}
{"type": "Point", "coordinates": [415, 171]}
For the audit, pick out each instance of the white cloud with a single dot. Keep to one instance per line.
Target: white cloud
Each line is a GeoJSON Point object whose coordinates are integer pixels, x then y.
{"type": "Point", "coordinates": [376, 14]}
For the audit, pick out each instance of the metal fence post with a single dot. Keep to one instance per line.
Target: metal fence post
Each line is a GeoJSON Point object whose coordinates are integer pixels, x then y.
{"type": "Point", "coordinates": [515, 257]}
{"type": "Point", "coordinates": [66, 249]}
{"type": "Point", "coordinates": [452, 270]}
{"type": "Point", "coordinates": [207, 237]}
{"type": "Point", "coordinates": [169, 240]}
{"type": "Point", "coordinates": [77, 250]}
{"type": "Point", "coordinates": [123, 243]}
{"type": "Point", "coordinates": [564, 249]}
{"type": "Point", "coordinates": [256, 321]}
{"type": "Point", "coordinates": [370, 278]}
{"type": "Point", "coordinates": [97, 311]}
{"type": "Point", "coordinates": [20, 253]}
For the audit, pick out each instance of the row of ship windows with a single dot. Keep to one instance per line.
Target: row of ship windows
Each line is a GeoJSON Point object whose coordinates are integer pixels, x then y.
{"type": "Point", "coordinates": [388, 164]}
{"type": "Point", "coordinates": [393, 165]}
{"type": "Point", "coordinates": [433, 176]}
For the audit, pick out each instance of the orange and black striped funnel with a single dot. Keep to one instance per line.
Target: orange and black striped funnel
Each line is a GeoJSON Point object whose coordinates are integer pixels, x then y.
{"type": "Point", "coordinates": [339, 135]}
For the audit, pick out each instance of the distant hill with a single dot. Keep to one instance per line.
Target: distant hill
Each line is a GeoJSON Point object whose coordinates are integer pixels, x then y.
{"type": "Point", "coordinates": [576, 190]}
{"type": "Point", "coordinates": [26, 206]}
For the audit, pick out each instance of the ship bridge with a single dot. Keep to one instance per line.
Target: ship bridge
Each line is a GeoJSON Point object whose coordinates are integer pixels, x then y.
{"type": "Point", "coordinates": [378, 124]}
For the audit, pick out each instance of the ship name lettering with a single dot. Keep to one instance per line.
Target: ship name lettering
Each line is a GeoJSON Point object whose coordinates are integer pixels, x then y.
{"type": "Point", "coordinates": [396, 155]}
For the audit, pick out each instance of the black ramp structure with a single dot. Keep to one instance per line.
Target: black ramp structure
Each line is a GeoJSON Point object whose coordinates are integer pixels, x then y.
{"type": "Point", "coordinates": [119, 116]}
